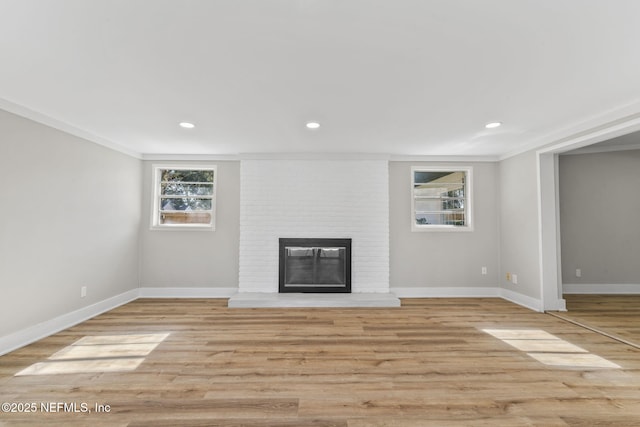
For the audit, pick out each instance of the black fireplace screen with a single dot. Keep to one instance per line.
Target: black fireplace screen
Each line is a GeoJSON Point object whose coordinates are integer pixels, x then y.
{"type": "Point", "coordinates": [315, 265]}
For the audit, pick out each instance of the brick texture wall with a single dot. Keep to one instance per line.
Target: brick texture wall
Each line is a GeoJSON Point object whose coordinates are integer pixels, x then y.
{"type": "Point", "coordinates": [314, 198]}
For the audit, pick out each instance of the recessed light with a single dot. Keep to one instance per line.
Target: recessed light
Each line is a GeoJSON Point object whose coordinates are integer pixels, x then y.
{"type": "Point", "coordinates": [493, 125]}
{"type": "Point", "coordinates": [187, 125]}
{"type": "Point", "coordinates": [313, 125]}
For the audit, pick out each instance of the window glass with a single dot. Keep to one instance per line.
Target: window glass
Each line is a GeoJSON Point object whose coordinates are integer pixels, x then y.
{"type": "Point", "coordinates": [184, 197]}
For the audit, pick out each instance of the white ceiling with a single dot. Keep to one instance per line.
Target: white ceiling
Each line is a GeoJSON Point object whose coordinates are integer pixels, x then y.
{"type": "Point", "coordinates": [402, 77]}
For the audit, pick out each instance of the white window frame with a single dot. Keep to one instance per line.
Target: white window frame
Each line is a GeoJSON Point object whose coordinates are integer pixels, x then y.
{"type": "Point", "coordinates": [468, 211]}
{"type": "Point", "coordinates": [156, 196]}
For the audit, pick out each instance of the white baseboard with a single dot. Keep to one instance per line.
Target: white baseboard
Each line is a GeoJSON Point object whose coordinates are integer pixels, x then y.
{"type": "Point", "coordinates": [149, 292]}
{"type": "Point", "coordinates": [34, 333]}
{"type": "Point", "coordinates": [600, 288]}
{"type": "Point", "coordinates": [470, 292]}
{"type": "Point", "coordinates": [521, 299]}
{"type": "Point", "coordinates": [445, 292]}
{"type": "Point", "coordinates": [559, 305]}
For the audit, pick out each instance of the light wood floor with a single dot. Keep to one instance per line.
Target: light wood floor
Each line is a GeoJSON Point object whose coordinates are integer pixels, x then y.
{"type": "Point", "coordinates": [615, 314]}
{"type": "Point", "coordinates": [427, 363]}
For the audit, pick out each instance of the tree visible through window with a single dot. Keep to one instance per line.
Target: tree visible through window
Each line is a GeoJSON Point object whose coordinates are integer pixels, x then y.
{"type": "Point", "coordinates": [184, 197]}
{"type": "Point", "coordinates": [440, 198]}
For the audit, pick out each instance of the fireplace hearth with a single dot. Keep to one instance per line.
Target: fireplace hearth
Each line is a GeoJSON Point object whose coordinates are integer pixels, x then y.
{"type": "Point", "coordinates": [315, 265]}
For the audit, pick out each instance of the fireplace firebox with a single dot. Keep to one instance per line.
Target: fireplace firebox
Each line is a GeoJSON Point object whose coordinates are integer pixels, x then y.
{"type": "Point", "coordinates": [315, 265]}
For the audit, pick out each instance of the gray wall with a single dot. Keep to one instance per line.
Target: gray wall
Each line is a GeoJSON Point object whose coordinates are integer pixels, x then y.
{"type": "Point", "coordinates": [69, 218]}
{"type": "Point", "coordinates": [444, 259]}
{"type": "Point", "coordinates": [190, 258]}
{"type": "Point", "coordinates": [519, 247]}
{"type": "Point", "coordinates": [599, 206]}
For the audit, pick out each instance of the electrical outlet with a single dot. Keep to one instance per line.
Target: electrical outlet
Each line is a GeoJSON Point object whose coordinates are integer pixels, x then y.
{"type": "Point", "coordinates": [484, 270]}
{"type": "Point", "coordinates": [83, 292]}
{"type": "Point", "coordinates": [514, 279]}
{"type": "Point", "coordinates": [578, 272]}
{"type": "Point", "coordinates": [508, 277]}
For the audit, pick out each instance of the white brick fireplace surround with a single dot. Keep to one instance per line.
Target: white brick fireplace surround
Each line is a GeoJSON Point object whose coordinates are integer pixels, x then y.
{"type": "Point", "coordinates": [314, 199]}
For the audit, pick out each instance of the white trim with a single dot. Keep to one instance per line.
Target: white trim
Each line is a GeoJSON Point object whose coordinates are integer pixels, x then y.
{"type": "Point", "coordinates": [313, 156]}
{"type": "Point", "coordinates": [548, 216]}
{"type": "Point", "coordinates": [155, 194]}
{"type": "Point", "coordinates": [44, 119]}
{"type": "Point", "coordinates": [317, 156]}
{"type": "Point", "coordinates": [521, 299]}
{"type": "Point", "coordinates": [151, 292]}
{"type": "Point", "coordinates": [445, 292]}
{"type": "Point", "coordinates": [441, 159]}
{"type": "Point", "coordinates": [595, 149]}
{"type": "Point", "coordinates": [549, 249]}
{"type": "Point", "coordinates": [568, 135]}
{"type": "Point", "coordinates": [469, 194]}
{"type": "Point", "coordinates": [622, 113]}
{"type": "Point", "coordinates": [602, 288]}
{"type": "Point", "coordinates": [600, 134]}
{"type": "Point", "coordinates": [470, 292]}
{"type": "Point", "coordinates": [160, 157]}
{"type": "Point", "coordinates": [438, 228]}
{"type": "Point", "coordinates": [47, 328]}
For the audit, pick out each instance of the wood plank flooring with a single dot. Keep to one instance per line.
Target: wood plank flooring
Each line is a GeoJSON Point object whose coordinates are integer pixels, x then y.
{"type": "Point", "coordinates": [615, 314]}
{"type": "Point", "coordinates": [427, 363]}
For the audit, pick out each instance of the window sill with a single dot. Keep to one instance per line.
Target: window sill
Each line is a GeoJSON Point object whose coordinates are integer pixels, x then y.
{"type": "Point", "coordinates": [182, 227]}
{"type": "Point", "coordinates": [441, 228]}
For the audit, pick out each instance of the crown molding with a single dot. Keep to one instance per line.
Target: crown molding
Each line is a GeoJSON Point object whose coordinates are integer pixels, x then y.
{"type": "Point", "coordinates": [601, 149]}
{"type": "Point", "coordinates": [54, 123]}
{"type": "Point", "coordinates": [313, 156]}
{"type": "Point", "coordinates": [609, 124]}
{"type": "Point", "coordinates": [317, 156]}
{"type": "Point", "coordinates": [597, 128]}
{"type": "Point", "coordinates": [442, 159]}
{"type": "Point", "coordinates": [189, 157]}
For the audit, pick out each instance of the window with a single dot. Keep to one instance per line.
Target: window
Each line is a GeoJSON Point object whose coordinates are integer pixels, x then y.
{"type": "Point", "coordinates": [441, 199]}
{"type": "Point", "coordinates": [184, 197]}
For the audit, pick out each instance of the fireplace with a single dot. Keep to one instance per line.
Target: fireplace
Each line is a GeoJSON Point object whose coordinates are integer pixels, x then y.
{"type": "Point", "coordinates": [315, 265]}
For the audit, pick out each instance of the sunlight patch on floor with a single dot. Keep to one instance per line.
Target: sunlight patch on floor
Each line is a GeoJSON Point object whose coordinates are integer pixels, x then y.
{"type": "Point", "coordinates": [574, 360]}
{"type": "Point", "coordinates": [81, 366]}
{"type": "Point", "coordinates": [557, 346]}
{"type": "Point", "coordinates": [549, 349]}
{"type": "Point", "coordinates": [91, 354]}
